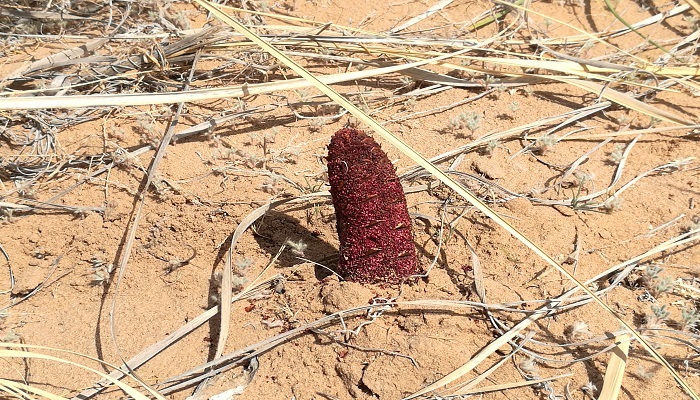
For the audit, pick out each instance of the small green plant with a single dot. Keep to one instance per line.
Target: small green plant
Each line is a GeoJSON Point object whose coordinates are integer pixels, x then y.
{"type": "Point", "coordinates": [581, 180]}
{"type": "Point", "coordinates": [160, 186]}
{"type": "Point", "coordinates": [473, 121]}
{"type": "Point", "coordinates": [316, 124]}
{"type": "Point", "coordinates": [224, 153]}
{"type": "Point", "coordinates": [616, 156]}
{"type": "Point", "coordinates": [410, 104]}
{"type": "Point", "coordinates": [116, 133]}
{"type": "Point", "coordinates": [270, 136]}
{"type": "Point", "coordinates": [653, 121]}
{"type": "Point", "coordinates": [145, 125]}
{"type": "Point", "coordinates": [303, 94]}
{"type": "Point", "coordinates": [488, 80]}
{"type": "Point", "coordinates": [663, 285]}
{"type": "Point", "coordinates": [238, 278]}
{"type": "Point", "coordinates": [645, 374]}
{"type": "Point", "coordinates": [11, 337]}
{"type": "Point", "coordinates": [501, 89]}
{"type": "Point", "coordinates": [272, 184]}
{"type": "Point", "coordinates": [491, 146]}
{"type": "Point", "coordinates": [315, 183]}
{"type": "Point", "coordinates": [252, 160]}
{"type": "Point", "coordinates": [253, 139]}
{"type": "Point", "coordinates": [263, 6]}
{"type": "Point", "coordinates": [453, 125]}
{"type": "Point", "coordinates": [658, 316]}
{"type": "Point", "coordinates": [693, 21]}
{"type": "Point", "coordinates": [588, 46]}
{"type": "Point", "coordinates": [241, 265]}
{"type": "Point", "coordinates": [528, 91]}
{"type": "Point", "coordinates": [469, 120]}
{"type": "Point", "coordinates": [288, 154]}
{"type": "Point", "coordinates": [101, 271]}
{"type": "Point", "coordinates": [352, 122]}
{"type": "Point", "coordinates": [238, 283]}
{"type": "Point", "coordinates": [622, 121]}
{"type": "Point", "coordinates": [514, 106]}
{"type": "Point", "coordinates": [584, 178]}
{"type": "Point", "coordinates": [689, 318]}
{"type": "Point", "coordinates": [655, 283]}
{"type": "Point", "coordinates": [547, 23]}
{"type": "Point", "coordinates": [660, 312]}
{"type": "Point", "coordinates": [652, 271]}
{"type": "Point", "coordinates": [544, 143]}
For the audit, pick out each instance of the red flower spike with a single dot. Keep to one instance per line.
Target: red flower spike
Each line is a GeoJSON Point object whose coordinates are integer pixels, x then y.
{"type": "Point", "coordinates": [374, 228]}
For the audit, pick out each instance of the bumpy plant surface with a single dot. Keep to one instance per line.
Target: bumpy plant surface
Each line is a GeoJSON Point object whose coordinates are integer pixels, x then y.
{"type": "Point", "coordinates": [374, 228]}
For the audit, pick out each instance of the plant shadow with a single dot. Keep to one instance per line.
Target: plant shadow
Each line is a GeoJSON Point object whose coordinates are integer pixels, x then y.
{"type": "Point", "coordinates": [275, 229]}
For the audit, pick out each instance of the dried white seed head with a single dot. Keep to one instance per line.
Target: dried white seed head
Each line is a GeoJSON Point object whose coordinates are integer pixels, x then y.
{"type": "Point", "coordinates": [529, 367]}
{"type": "Point", "coordinates": [589, 389]}
{"type": "Point", "coordinates": [578, 331]}
{"type": "Point", "coordinates": [297, 248]}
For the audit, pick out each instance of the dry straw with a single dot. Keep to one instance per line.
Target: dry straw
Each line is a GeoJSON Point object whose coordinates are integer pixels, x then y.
{"type": "Point", "coordinates": [616, 369]}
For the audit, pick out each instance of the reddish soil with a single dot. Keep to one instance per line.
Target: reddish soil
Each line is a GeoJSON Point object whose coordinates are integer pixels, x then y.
{"type": "Point", "coordinates": [207, 185]}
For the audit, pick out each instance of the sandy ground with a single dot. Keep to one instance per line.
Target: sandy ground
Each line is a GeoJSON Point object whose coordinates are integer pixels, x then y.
{"type": "Point", "coordinates": [207, 185]}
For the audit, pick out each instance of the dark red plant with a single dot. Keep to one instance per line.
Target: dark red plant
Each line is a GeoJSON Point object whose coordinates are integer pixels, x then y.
{"type": "Point", "coordinates": [374, 228]}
